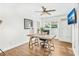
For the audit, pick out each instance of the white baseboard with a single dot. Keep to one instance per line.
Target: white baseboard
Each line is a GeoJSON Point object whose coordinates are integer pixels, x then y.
{"type": "Point", "coordinates": [15, 46]}
{"type": "Point", "coordinates": [75, 52]}
{"type": "Point", "coordinates": [64, 40]}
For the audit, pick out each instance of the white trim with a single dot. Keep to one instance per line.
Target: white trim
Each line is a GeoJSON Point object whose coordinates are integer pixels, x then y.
{"type": "Point", "coordinates": [15, 46]}
{"type": "Point", "coordinates": [74, 51]}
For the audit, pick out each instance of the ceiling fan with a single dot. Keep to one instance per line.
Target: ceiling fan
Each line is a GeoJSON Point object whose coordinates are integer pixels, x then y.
{"type": "Point", "coordinates": [45, 11]}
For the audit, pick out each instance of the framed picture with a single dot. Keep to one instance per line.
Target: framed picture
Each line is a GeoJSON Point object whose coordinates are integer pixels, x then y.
{"type": "Point", "coordinates": [28, 23]}
{"type": "Point", "coordinates": [54, 25]}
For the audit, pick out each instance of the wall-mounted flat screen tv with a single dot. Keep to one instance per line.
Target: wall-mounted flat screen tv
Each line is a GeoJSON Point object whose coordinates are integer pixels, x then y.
{"type": "Point", "coordinates": [72, 17]}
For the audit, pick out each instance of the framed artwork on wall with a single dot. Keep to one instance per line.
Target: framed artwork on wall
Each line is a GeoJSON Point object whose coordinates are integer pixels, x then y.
{"type": "Point", "coordinates": [54, 25]}
{"type": "Point", "coordinates": [28, 24]}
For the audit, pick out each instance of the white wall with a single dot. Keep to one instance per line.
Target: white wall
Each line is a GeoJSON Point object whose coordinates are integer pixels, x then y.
{"type": "Point", "coordinates": [78, 30]}
{"type": "Point", "coordinates": [45, 20]}
{"type": "Point", "coordinates": [75, 33]}
{"type": "Point", "coordinates": [12, 31]}
{"type": "Point", "coordinates": [65, 30]}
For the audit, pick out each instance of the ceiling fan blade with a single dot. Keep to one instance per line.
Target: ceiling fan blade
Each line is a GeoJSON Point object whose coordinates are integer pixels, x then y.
{"type": "Point", "coordinates": [41, 14]}
{"type": "Point", "coordinates": [45, 13]}
{"type": "Point", "coordinates": [48, 13]}
{"type": "Point", "coordinates": [50, 10]}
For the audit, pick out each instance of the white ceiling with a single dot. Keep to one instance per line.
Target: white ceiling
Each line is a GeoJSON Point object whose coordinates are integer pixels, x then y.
{"type": "Point", "coordinates": [61, 8]}
{"type": "Point", "coordinates": [26, 8]}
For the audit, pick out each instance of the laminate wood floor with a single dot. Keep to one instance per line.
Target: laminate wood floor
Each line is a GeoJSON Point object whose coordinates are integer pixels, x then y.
{"type": "Point", "coordinates": [61, 49]}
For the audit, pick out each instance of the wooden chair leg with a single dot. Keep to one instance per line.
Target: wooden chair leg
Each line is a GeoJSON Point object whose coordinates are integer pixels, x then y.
{"type": "Point", "coordinates": [33, 43]}
{"type": "Point", "coordinates": [30, 42]}
{"type": "Point", "coordinates": [36, 42]}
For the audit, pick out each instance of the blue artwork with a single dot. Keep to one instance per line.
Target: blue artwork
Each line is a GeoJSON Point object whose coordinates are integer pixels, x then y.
{"type": "Point", "coordinates": [72, 18]}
